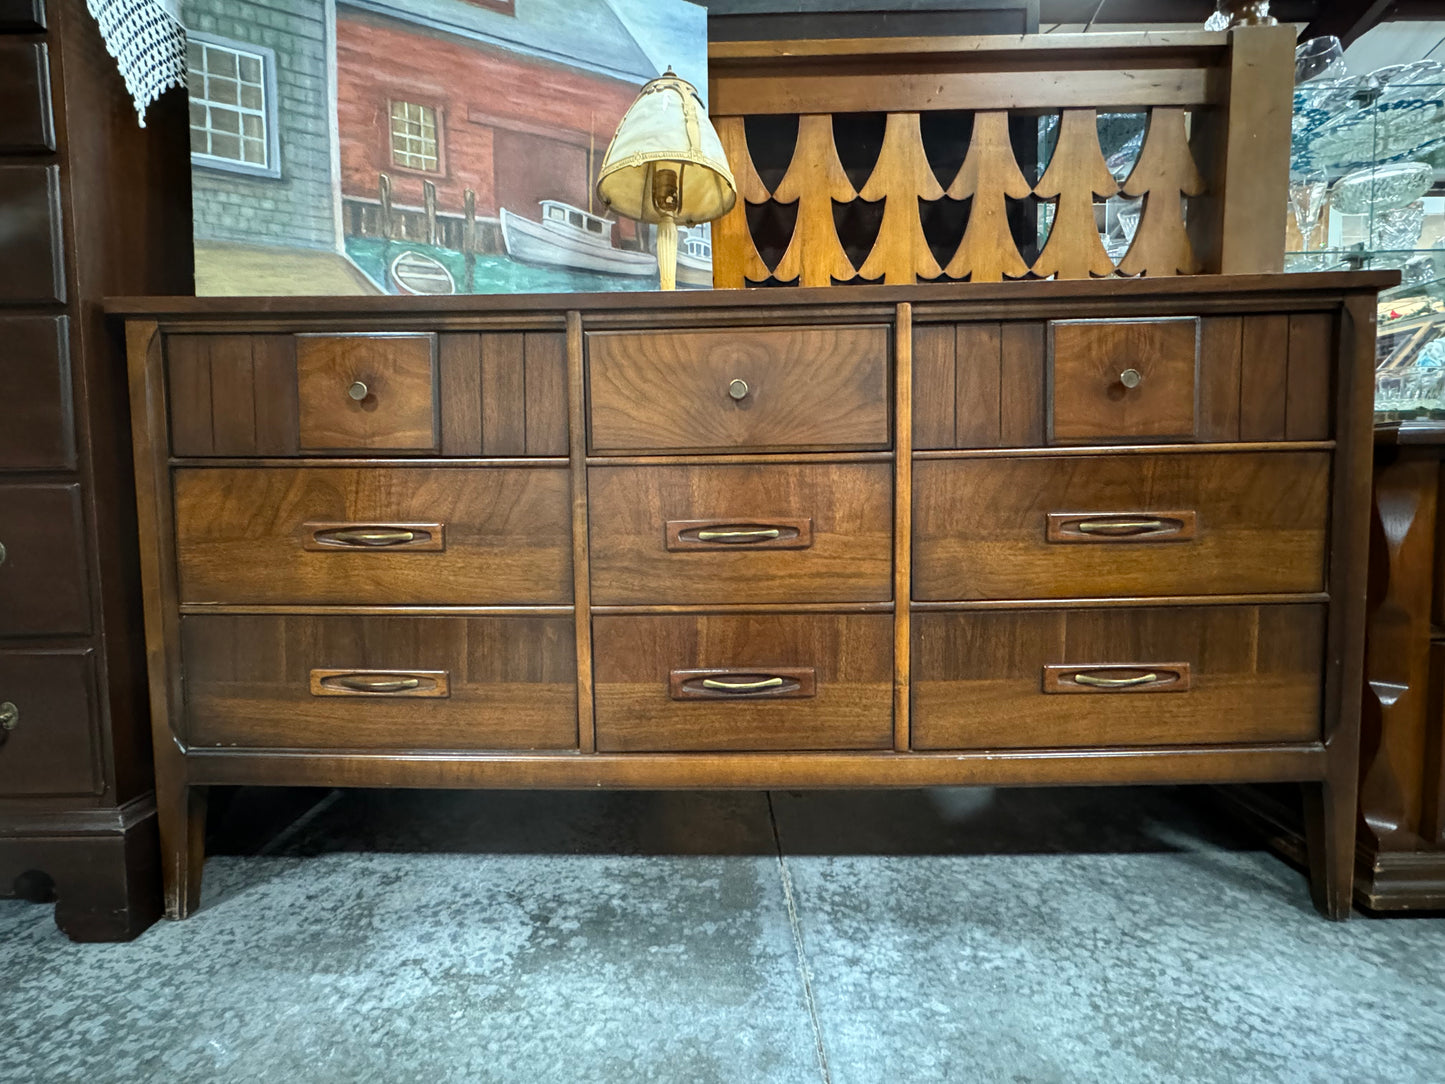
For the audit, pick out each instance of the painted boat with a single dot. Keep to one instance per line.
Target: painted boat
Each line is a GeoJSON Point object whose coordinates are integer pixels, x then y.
{"type": "Point", "coordinates": [417, 273]}
{"type": "Point", "coordinates": [570, 237]}
{"type": "Point", "coordinates": [694, 255]}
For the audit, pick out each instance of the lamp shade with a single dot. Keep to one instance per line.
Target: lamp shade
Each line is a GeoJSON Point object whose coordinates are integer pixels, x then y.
{"type": "Point", "coordinates": [666, 129]}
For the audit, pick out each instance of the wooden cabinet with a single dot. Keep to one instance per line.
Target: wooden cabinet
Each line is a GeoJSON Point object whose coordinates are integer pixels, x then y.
{"type": "Point", "coordinates": [91, 205]}
{"type": "Point", "coordinates": [926, 541]}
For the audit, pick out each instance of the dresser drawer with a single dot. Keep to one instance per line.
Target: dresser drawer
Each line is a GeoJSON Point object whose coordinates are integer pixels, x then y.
{"type": "Point", "coordinates": [39, 431]}
{"type": "Point", "coordinates": [1122, 380]}
{"type": "Point", "coordinates": [25, 117]}
{"type": "Point", "coordinates": [22, 14]}
{"type": "Point", "coordinates": [460, 536]}
{"type": "Point", "coordinates": [44, 588]}
{"type": "Point", "coordinates": [1117, 677]}
{"type": "Point", "coordinates": [47, 728]}
{"type": "Point", "coordinates": [367, 393]}
{"type": "Point", "coordinates": [787, 533]}
{"type": "Point", "coordinates": [741, 682]}
{"type": "Point", "coordinates": [403, 683]}
{"type": "Point", "coordinates": [724, 390]}
{"type": "Point", "coordinates": [1091, 526]}
{"type": "Point", "coordinates": [31, 268]}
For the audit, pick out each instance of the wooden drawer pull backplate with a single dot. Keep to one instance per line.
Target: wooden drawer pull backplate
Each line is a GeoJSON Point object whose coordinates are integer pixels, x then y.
{"type": "Point", "coordinates": [773, 683]}
{"type": "Point", "coordinates": [722, 534]}
{"type": "Point", "coordinates": [1121, 526]}
{"type": "Point", "coordinates": [1128, 677]}
{"type": "Point", "coordinates": [392, 683]}
{"type": "Point", "coordinates": [416, 537]}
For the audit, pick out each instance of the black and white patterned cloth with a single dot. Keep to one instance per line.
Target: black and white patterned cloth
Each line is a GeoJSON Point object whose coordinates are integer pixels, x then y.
{"type": "Point", "coordinates": [148, 43]}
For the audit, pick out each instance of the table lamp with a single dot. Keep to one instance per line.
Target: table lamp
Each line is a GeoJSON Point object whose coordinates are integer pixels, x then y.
{"type": "Point", "coordinates": [666, 165]}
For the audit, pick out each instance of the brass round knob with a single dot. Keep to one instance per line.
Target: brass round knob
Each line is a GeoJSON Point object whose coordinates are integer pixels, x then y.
{"type": "Point", "coordinates": [738, 389]}
{"type": "Point", "coordinates": [358, 391]}
{"type": "Point", "coordinates": [2, 553]}
{"type": "Point", "coordinates": [1131, 378]}
{"type": "Point", "coordinates": [9, 716]}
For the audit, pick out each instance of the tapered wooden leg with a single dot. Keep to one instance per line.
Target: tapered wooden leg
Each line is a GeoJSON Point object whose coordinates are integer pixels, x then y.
{"type": "Point", "coordinates": [1330, 835]}
{"type": "Point", "coordinates": [182, 811]}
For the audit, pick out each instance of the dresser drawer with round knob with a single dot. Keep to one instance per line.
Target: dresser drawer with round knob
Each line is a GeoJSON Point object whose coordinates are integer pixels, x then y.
{"type": "Point", "coordinates": [47, 734]}
{"type": "Point", "coordinates": [755, 389]}
{"type": "Point", "coordinates": [1122, 380]}
{"type": "Point", "coordinates": [44, 587]}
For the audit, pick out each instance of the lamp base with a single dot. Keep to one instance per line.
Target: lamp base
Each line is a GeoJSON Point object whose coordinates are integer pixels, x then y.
{"type": "Point", "coordinates": [667, 252]}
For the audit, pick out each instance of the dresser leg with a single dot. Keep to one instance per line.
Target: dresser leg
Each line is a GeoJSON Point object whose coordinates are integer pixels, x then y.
{"type": "Point", "coordinates": [182, 810]}
{"type": "Point", "coordinates": [1330, 837]}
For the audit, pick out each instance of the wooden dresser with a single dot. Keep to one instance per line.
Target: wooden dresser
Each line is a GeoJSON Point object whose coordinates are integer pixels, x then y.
{"type": "Point", "coordinates": [90, 204]}
{"type": "Point", "coordinates": [1026, 533]}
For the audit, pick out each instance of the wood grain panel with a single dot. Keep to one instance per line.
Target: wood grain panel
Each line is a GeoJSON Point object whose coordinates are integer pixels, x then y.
{"type": "Point", "coordinates": [1021, 385]}
{"type": "Point", "coordinates": [188, 379]}
{"type": "Point", "coordinates": [51, 749]}
{"type": "Point", "coordinates": [851, 655]}
{"type": "Point", "coordinates": [398, 411]}
{"type": "Point", "coordinates": [1310, 387]}
{"type": "Point", "coordinates": [1264, 365]}
{"type": "Point", "coordinates": [232, 395]}
{"type": "Point", "coordinates": [849, 558]}
{"type": "Point", "coordinates": [44, 582]}
{"type": "Point", "coordinates": [980, 525]}
{"type": "Point", "coordinates": [933, 387]}
{"type": "Point", "coordinates": [32, 269]}
{"type": "Point", "coordinates": [26, 122]}
{"type": "Point", "coordinates": [511, 682]}
{"type": "Point", "coordinates": [504, 375]}
{"type": "Point", "coordinates": [241, 535]}
{"type": "Point", "coordinates": [978, 385]}
{"type": "Point", "coordinates": [38, 432]}
{"type": "Point", "coordinates": [546, 380]}
{"type": "Point", "coordinates": [1220, 353]}
{"type": "Point", "coordinates": [459, 374]}
{"type": "Point", "coordinates": [806, 387]}
{"type": "Point", "coordinates": [1091, 403]}
{"type": "Point", "coordinates": [273, 380]}
{"type": "Point", "coordinates": [1254, 677]}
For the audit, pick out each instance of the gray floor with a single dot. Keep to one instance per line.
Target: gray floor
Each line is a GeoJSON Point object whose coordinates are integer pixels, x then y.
{"type": "Point", "coordinates": [1093, 935]}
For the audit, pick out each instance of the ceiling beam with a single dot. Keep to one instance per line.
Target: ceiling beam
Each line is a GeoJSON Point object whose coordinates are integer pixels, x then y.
{"type": "Point", "coordinates": [1348, 19]}
{"type": "Point", "coordinates": [1192, 12]}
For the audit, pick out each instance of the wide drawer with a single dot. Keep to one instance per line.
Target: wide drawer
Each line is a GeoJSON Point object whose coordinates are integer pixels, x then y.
{"type": "Point", "coordinates": [1093, 526]}
{"type": "Point", "coordinates": [25, 116]}
{"type": "Point", "coordinates": [38, 433]}
{"type": "Point", "coordinates": [755, 534]}
{"type": "Point", "coordinates": [403, 683]}
{"type": "Point", "coordinates": [740, 682]}
{"type": "Point", "coordinates": [724, 390]}
{"type": "Point", "coordinates": [46, 723]}
{"type": "Point", "coordinates": [1117, 677]}
{"type": "Point", "coordinates": [31, 268]}
{"type": "Point", "coordinates": [43, 582]}
{"type": "Point", "coordinates": [486, 536]}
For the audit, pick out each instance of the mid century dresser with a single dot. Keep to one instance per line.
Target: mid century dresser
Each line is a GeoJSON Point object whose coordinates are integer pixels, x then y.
{"type": "Point", "coordinates": [1018, 533]}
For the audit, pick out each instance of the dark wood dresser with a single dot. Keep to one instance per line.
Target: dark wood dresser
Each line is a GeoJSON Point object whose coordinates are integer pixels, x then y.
{"type": "Point", "coordinates": [1043, 533]}
{"type": "Point", "coordinates": [91, 204]}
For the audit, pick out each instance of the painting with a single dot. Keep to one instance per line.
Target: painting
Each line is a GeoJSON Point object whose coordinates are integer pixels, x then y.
{"type": "Point", "coordinates": [424, 146]}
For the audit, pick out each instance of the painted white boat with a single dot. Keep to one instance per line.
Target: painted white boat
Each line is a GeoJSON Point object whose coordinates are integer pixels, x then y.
{"type": "Point", "coordinates": [694, 255]}
{"type": "Point", "coordinates": [418, 273]}
{"type": "Point", "coordinates": [570, 237]}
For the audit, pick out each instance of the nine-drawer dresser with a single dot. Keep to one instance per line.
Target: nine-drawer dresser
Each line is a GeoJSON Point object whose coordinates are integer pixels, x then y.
{"type": "Point", "coordinates": [1024, 533]}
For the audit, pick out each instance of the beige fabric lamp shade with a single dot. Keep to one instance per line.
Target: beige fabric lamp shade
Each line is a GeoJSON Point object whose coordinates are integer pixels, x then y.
{"type": "Point", "coordinates": [666, 165]}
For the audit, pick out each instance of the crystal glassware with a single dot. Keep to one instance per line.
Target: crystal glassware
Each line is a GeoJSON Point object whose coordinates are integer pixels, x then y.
{"type": "Point", "coordinates": [1307, 193]}
{"type": "Point", "coordinates": [1319, 58]}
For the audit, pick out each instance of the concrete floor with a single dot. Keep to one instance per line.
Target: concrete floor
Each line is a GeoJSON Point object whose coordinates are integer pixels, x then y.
{"type": "Point", "coordinates": [1087, 935]}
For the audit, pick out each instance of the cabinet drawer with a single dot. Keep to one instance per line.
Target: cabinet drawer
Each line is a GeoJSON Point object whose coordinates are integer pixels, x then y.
{"type": "Point", "coordinates": [1122, 380]}
{"type": "Point", "coordinates": [775, 388]}
{"type": "Point", "coordinates": [44, 588]}
{"type": "Point", "coordinates": [25, 117]}
{"type": "Point", "coordinates": [788, 533]}
{"type": "Point", "coordinates": [31, 268]}
{"type": "Point", "coordinates": [46, 724]}
{"type": "Point", "coordinates": [492, 536]}
{"type": "Point", "coordinates": [1090, 526]}
{"type": "Point", "coordinates": [404, 683]}
{"type": "Point", "coordinates": [367, 392]}
{"type": "Point", "coordinates": [1117, 677]}
{"type": "Point", "coordinates": [22, 14]}
{"type": "Point", "coordinates": [38, 433]}
{"type": "Point", "coordinates": [741, 682]}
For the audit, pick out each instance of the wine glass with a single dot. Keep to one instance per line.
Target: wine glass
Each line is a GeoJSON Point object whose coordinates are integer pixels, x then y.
{"type": "Point", "coordinates": [1319, 58]}
{"type": "Point", "coordinates": [1307, 191]}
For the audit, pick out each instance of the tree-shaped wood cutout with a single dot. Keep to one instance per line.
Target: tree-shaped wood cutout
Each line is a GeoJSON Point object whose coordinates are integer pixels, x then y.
{"type": "Point", "coordinates": [989, 176]}
{"type": "Point", "coordinates": [814, 180]}
{"type": "Point", "coordinates": [735, 257]}
{"type": "Point", "coordinates": [901, 178]}
{"type": "Point", "coordinates": [1164, 174]}
{"type": "Point", "coordinates": [1076, 174]}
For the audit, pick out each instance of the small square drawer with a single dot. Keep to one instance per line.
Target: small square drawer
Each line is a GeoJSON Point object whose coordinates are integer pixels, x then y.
{"type": "Point", "coordinates": [1059, 679]}
{"type": "Point", "coordinates": [44, 588]}
{"type": "Point", "coordinates": [819, 532]}
{"type": "Point", "coordinates": [1122, 380]}
{"type": "Point", "coordinates": [367, 392]}
{"type": "Point", "coordinates": [378, 536]}
{"type": "Point", "coordinates": [31, 267]}
{"type": "Point", "coordinates": [725, 390]}
{"type": "Point", "coordinates": [743, 682]}
{"type": "Point", "coordinates": [403, 683]}
{"type": "Point", "coordinates": [47, 724]}
{"type": "Point", "coordinates": [35, 373]}
{"type": "Point", "coordinates": [25, 117]}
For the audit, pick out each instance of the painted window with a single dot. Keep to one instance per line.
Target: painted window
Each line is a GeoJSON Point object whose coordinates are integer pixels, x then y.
{"type": "Point", "coordinates": [556, 214]}
{"type": "Point", "coordinates": [233, 105]}
{"type": "Point", "coordinates": [414, 137]}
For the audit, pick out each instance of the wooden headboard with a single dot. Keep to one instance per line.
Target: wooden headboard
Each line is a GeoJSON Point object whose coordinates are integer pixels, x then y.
{"type": "Point", "coordinates": [1217, 141]}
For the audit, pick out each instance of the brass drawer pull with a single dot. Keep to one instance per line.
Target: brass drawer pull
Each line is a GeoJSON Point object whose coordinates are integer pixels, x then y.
{"type": "Point", "coordinates": [358, 390]}
{"type": "Point", "coordinates": [1131, 378]}
{"type": "Point", "coordinates": [9, 716]}
{"type": "Point", "coordinates": [412, 537]}
{"type": "Point", "coordinates": [1105, 527]}
{"type": "Point", "coordinates": [738, 390]}
{"type": "Point", "coordinates": [393, 683]}
{"type": "Point", "coordinates": [1128, 677]}
{"type": "Point", "coordinates": [1115, 683]}
{"type": "Point", "coordinates": [742, 686]}
{"type": "Point", "coordinates": [377, 685]}
{"type": "Point", "coordinates": [363, 537]}
{"type": "Point", "coordinates": [760, 534]}
{"type": "Point", "coordinates": [1122, 526]}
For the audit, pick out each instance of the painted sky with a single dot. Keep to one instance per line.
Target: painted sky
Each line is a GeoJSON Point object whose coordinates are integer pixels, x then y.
{"type": "Point", "coordinates": [670, 32]}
